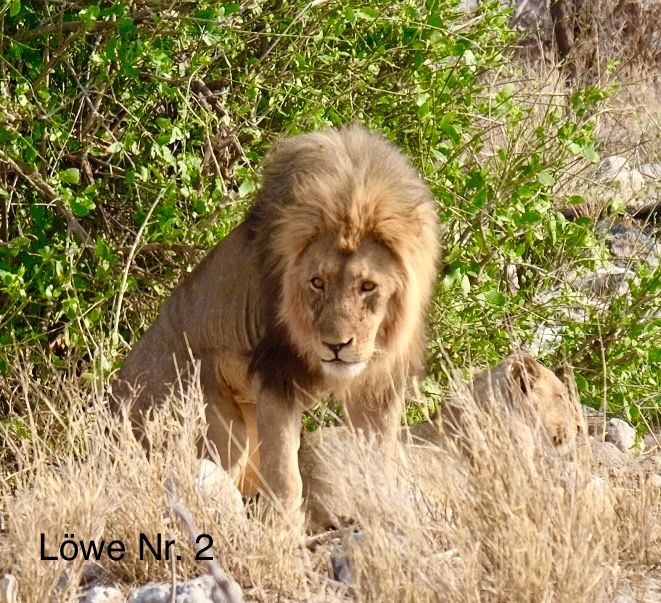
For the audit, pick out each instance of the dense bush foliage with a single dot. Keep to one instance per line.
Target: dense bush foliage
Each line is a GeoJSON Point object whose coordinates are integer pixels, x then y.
{"type": "Point", "coordinates": [130, 140]}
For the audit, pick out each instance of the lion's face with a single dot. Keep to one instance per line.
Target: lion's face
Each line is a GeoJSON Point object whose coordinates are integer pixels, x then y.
{"type": "Point", "coordinates": [343, 299]}
{"type": "Point", "coordinates": [550, 398]}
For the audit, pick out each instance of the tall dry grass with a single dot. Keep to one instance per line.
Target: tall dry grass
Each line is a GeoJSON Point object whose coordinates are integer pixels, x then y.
{"type": "Point", "coordinates": [510, 525]}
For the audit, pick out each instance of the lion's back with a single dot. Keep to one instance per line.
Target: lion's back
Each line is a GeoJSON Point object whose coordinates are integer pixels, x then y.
{"type": "Point", "coordinates": [223, 289]}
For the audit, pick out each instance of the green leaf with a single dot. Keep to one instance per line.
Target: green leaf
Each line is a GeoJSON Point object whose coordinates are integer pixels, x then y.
{"type": "Point", "coordinates": [465, 284]}
{"type": "Point", "coordinates": [589, 152]}
{"type": "Point", "coordinates": [70, 176]}
{"type": "Point", "coordinates": [545, 178]}
{"type": "Point", "coordinates": [529, 217]}
{"type": "Point", "coordinates": [496, 298]}
{"type": "Point", "coordinates": [14, 8]}
{"type": "Point", "coordinates": [82, 206]}
{"type": "Point", "coordinates": [228, 9]}
{"type": "Point", "coordinates": [247, 187]}
{"type": "Point", "coordinates": [506, 92]}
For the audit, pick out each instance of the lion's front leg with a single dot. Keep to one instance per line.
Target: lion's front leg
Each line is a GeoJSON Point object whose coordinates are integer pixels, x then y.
{"type": "Point", "coordinates": [279, 433]}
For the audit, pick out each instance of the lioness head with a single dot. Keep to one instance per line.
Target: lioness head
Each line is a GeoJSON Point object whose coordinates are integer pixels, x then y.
{"type": "Point", "coordinates": [558, 412]}
{"type": "Point", "coordinates": [351, 239]}
{"type": "Point", "coordinates": [522, 387]}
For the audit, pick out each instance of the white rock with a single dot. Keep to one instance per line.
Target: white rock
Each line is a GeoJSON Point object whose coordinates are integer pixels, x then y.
{"type": "Point", "coordinates": [599, 494]}
{"type": "Point", "coordinates": [215, 484]}
{"type": "Point", "coordinates": [624, 593]}
{"type": "Point", "coordinates": [598, 486]}
{"type": "Point", "coordinates": [202, 589]}
{"type": "Point", "coordinates": [611, 167]}
{"type": "Point", "coordinates": [546, 339]}
{"type": "Point", "coordinates": [605, 281]}
{"type": "Point", "coordinates": [468, 6]}
{"type": "Point", "coordinates": [8, 588]}
{"type": "Point", "coordinates": [651, 171]}
{"type": "Point", "coordinates": [617, 170]}
{"type": "Point", "coordinates": [621, 434]}
{"type": "Point", "coordinates": [628, 242]}
{"type": "Point", "coordinates": [104, 594]}
{"type": "Point", "coordinates": [644, 589]}
{"type": "Point", "coordinates": [529, 14]}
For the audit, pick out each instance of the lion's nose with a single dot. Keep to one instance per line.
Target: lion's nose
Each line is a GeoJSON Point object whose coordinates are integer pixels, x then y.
{"type": "Point", "coordinates": [336, 347]}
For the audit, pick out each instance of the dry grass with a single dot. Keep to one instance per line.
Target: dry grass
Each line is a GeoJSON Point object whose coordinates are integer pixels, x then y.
{"type": "Point", "coordinates": [511, 526]}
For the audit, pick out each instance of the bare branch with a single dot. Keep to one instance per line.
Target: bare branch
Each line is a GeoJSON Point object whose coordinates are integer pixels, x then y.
{"type": "Point", "coordinates": [74, 27]}
{"type": "Point", "coordinates": [38, 182]}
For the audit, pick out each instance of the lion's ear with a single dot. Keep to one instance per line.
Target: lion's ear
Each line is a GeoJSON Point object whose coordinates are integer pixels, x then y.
{"type": "Point", "coordinates": [524, 371]}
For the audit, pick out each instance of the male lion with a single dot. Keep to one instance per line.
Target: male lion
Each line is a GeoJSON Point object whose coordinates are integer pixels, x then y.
{"type": "Point", "coordinates": [320, 292]}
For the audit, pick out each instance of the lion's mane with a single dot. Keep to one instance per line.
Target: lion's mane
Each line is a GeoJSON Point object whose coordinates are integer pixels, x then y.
{"type": "Point", "coordinates": [353, 185]}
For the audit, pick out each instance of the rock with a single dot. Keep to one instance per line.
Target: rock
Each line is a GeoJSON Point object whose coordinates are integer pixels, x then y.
{"type": "Point", "coordinates": [599, 493]}
{"type": "Point", "coordinates": [651, 171]}
{"type": "Point", "coordinates": [530, 14]}
{"type": "Point", "coordinates": [646, 205]}
{"type": "Point", "coordinates": [621, 434]}
{"type": "Point", "coordinates": [104, 594]}
{"type": "Point", "coordinates": [526, 14]}
{"type": "Point", "coordinates": [202, 589]}
{"type": "Point", "coordinates": [610, 460]}
{"type": "Point", "coordinates": [597, 486]}
{"type": "Point", "coordinates": [341, 558]}
{"type": "Point", "coordinates": [618, 171]}
{"type": "Point", "coordinates": [547, 339]}
{"type": "Point", "coordinates": [341, 567]}
{"type": "Point", "coordinates": [652, 442]}
{"type": "Point", "coordinates": [571, 307]}
{"type": "Point", "coordinates": [94, 574]}
{"type": "Point", "coordinates": [638, 589]}
{"type": "Point", "coordinates": [650, 462]}
{"type": "Point", "coordinates": [215, 484]}
{"type": "Point", "coordinates": [468, 6]}
{"type": "Point", "coordinates": [8, 589]}
{"type": "Point", "coordinates": [628, 243]}
{"type": "Point", "coordinates": [604, 282]}
{"type": "Point", "coordinates": [610, 168]}
{"type": "Point", "coordinates": [655, 481]}
{"type": "Point", "coordinates": [624, 593]}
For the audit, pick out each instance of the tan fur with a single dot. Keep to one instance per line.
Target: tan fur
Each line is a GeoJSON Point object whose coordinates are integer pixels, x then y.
{"type": "Point", "coordinates": [283, 295]}
{"type": "Point", "coordinates": [522, 388]}
{"type": "Point", "coordinates": [519, 394]}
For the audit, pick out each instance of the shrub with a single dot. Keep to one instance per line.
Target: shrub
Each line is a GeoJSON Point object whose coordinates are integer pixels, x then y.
{"type": "Point", "coordinates": [130, 139]}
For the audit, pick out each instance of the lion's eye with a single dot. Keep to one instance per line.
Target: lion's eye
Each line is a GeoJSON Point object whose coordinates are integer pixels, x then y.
{"type": "Point", "coordinates": [317, 283]}
{"type": "Point", "coordinates": [367, 286]}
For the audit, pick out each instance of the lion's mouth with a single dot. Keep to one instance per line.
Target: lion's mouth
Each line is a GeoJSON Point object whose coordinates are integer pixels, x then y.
{"type": "Point", "coordinates": [340, 368]}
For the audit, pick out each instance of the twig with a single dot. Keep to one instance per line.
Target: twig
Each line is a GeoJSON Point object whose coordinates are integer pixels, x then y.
{"type": "Point", "coordinates": [127, 267]}
{"type": "Point", "coordinates": [224, 581]}
{"type": "Point", "coordinates": [37, 181]}
{"type": "Point", "coordinates": [60, 28]}
{"type": "Point", "coordinates": [54, 60]}
{"type": "Point", "coordinates": [75, 26]}
{"type": "Point", "coordinates": [181, 248]}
